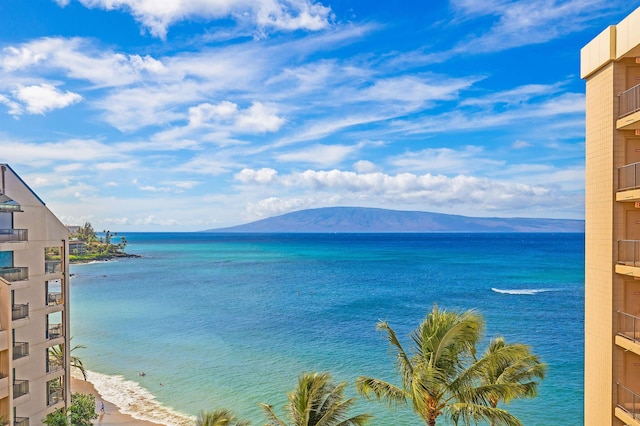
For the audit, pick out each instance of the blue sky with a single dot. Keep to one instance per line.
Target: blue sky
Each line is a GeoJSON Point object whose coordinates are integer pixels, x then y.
{"type": "Point", "coordinates": [186, 115]}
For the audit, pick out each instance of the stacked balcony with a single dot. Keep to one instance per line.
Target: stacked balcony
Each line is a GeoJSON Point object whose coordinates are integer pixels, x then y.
{"type": "Point", "coordinates": [21, 421]}
{"type": "Point", "coordinates": [13, 235]}
{"type": "Point", "coordinates": [19, 311]}
{"type": "Point", "coordinates": [14, 273]}
{"type": "Point", "coordinates": [20, 388]}
{"type": "Point", "coordinates": [629, 109]}
{"type": "Point", "coordinates": [627, 406]}
{"type": "Point", "coordinates": [20, 350]}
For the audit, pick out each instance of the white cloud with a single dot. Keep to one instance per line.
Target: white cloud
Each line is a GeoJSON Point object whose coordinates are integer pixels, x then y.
{"type": "Point", "coordinates": [258, 118]}
{"type": "Point", "coordinates": [445, 160]}
{"type": "Point", "coordinates": [322, 155]}
{"type": "Point", "coordinates": [365, 166]}
{"type": "Point", "coordinates": [274, 206]}
{"type": "Point", "coordinates": [157, 16]}
{"type": "Point", "coordinates": [520, 144]}
{"type": "Point", "coordinates": [42, 98]}
{"type": "Point", "coordinates": [261, 176]}
{"type": "Point", "coordinates": [407, 190]}
{"type": "Point", "coordinates": [523, 23]}
{"type": "Point", "coordinates": [14, 107]}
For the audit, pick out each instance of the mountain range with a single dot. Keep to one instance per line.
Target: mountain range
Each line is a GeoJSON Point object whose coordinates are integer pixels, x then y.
{"type": "Point", "coordinates": [374, 220]}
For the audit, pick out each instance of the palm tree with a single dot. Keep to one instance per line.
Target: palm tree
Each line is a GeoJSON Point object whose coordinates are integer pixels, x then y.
{"type": "Point", "coordinates": [440, 375]}
{"type": "Point", "coordinates": [220, 417]}
{"type": "Point", "coordinates": [316, 401]}
{"type": "Point", "coordinates": [514, 368]}
{"type": "Point", "coordinates": [57, 353]}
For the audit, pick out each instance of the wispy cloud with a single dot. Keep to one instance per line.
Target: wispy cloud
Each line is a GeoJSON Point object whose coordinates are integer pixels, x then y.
{"type": "Point", "coordinates": [264, 15]}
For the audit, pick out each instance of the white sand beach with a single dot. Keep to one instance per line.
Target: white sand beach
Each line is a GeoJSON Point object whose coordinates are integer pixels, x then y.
{"type": "Point", "coordinates": [125, 403]}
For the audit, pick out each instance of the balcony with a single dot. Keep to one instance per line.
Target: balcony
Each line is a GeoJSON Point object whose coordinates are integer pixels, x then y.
{"type": "Point", "coordinates": [629, 109]}
{"type": "Point", "coordinates": [54, 396]}
{"type": "Point", "coordinates": [54, 364]}
{"type": "Point", "coordinates": [20, 388]}
{"type": "Point", "coordinates": [13, 235]}
{"type": "Point", "coordinates": [628, 258]}
{"type": "Point", "coordinates": [628, 183]}
{"type": "Point", "coordinates": [54, 331]}
{"type": "Point", "coordinates": [627, 406]}
{"type": "Point", "coordinates": [14, 273]}
{"type": "Point", "coordinates": [52, 266]}
{"type": "Point", "coordinates": [20, 350]}
{"type": "Point", "coordinates": [19, 312]}
{"type": "Point", "coordinates": [21, 421]}
{"type": "Point", "coordinates": [54, 298]}
{"type": "Point", "coordinates": [628, 335]}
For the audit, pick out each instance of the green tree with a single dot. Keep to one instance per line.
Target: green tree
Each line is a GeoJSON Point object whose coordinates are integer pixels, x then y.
{"type": "Point", "coordinates": [81, 412]}
{"type": "Point", "coordinates": [86, 233]}
{"type": "Point", "coordinates": [57, 355]}
{"type": "Point", "coordinates": [512, 367]}
{"type": "Point", "coordinates": [317, 401]}
{"type": "Point", "coordinates": [440, 376]}
{"type": "Point", "coordinates": [82, 409]}
{"type": "Point", "coordinates": [57, 418]}
{"type": "Point", "coordinates": [220, 417]}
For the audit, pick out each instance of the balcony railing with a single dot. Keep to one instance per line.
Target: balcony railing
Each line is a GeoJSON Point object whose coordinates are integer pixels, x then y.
{"type": "Point", "coordinates": [629, 101]}
{"type": "Point", "coordinates": [628, 401]}
{"type": "Point", "coordinates": [629, 177]}
{"type": "Point", "coordinates": [54, 396]}
{"type": "Point", "coordinates": [19, 312]}
{"type": "Point", "coordinates": [20, 350]}
{"type": "Point", "coordinates": [629, 326]}
{"type": "Point", "coordinates": [54, 331]}
{"type": "Point", "coordinates": [629, 252]}
{"type": "Point", "coordinates": [52, 266]}
{"type": "Point", "coordinates": [54, 298]}
{"type": "Point", "coordinates": [21, 421]}
{"type": "Point", "coordinates": [14, 273]}
{"type": "Point", "coordinates": [54, 364]}
{"type": "Point", "coordinates": [20, 387]}
{"type": "Point", "coordinates": [11, 235]}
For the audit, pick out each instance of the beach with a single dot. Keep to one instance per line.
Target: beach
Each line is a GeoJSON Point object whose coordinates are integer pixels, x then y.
{"type": "Point", "coordinates": [111, 415]}
{"type": "Point", "coordinates": [135, 408]}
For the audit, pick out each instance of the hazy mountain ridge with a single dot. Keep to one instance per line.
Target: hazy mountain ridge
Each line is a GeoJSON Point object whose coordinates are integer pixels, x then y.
{"type": "Point", "coordinates": [363, 220]}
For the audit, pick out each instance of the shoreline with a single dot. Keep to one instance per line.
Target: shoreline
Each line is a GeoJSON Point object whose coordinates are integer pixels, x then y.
{"type": "Point", "coordinates": [125, 402]}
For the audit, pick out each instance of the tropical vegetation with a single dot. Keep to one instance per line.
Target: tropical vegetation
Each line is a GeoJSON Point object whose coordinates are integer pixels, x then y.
{"type": "Point", "coordinates": [94, 247]}
{"type": "Point", "coordinates": [317, 401]}
{"type": "Point", "coordinates": [56, 354]}
{"type": "Point", "coordinates": [81, 412]}
{"type": "Point", "coordinates": [220, 417]}
{"type": "Point", "coordinates": [442, 376]}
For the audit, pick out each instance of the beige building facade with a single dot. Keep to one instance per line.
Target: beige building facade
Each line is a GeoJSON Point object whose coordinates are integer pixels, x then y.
{"type": "Point", "coordinates": [34, 306]}
{"type": "Point", "coordinates": [610, 64]}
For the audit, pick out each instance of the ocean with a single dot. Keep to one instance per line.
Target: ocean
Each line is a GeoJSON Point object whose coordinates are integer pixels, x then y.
{"type": "Point", "coordinates": [203, 321]}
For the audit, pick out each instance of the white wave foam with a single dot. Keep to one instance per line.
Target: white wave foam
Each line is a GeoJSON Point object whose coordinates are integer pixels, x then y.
{"type": "Point", "coordinates": [527, 291]}
{"type": "Point", "coordinates": [136, 401]}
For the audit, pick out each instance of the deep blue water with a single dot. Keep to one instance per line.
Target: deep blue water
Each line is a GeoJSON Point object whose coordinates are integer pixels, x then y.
{"type": "Point", "coordinates": [230, 320]}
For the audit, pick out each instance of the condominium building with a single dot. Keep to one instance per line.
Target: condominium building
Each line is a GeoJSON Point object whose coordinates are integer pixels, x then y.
{"type": "Point", "coordinates": [34, 306]}
{"type": "Point", "coordinates": [610, 64]}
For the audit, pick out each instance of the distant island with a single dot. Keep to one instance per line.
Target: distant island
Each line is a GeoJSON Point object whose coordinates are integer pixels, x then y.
{"type": "Point", "coordinates": [374, 220]}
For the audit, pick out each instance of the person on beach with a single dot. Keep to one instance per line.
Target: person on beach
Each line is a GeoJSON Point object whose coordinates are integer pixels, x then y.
{"type": "Point", "coordinates": [102, 407]}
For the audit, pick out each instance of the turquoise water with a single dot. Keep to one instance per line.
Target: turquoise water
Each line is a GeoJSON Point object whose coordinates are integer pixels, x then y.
{"type": "Point", "coordinates": [224, 320]}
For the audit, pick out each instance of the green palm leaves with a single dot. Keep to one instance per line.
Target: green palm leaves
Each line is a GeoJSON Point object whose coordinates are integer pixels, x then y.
{"type": "Point", "coordinates": [442, 376]}
{"type": "Point", "coordinates": [220, 417]}
{"type": "Point", "coordinates": [317, 401]}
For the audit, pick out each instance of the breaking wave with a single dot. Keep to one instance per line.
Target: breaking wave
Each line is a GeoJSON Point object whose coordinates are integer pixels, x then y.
{"type": "Point", "coordinates": [527, 291]}
{"type": "Point", "coordinates": [136, 401]}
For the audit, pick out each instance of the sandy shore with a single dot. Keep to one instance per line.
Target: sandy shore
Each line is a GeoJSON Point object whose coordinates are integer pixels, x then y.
{"type": "Point", "coordinates": [111, 415]}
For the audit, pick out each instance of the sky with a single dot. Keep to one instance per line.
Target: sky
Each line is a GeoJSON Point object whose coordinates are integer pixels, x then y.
{"type": "Point", "coordinates": [185, 115]}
